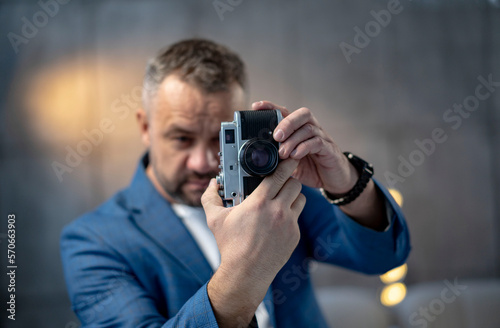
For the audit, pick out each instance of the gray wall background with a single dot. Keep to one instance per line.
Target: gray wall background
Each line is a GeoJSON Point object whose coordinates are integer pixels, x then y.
{"type": "Point", "coordinates": [86, 62]}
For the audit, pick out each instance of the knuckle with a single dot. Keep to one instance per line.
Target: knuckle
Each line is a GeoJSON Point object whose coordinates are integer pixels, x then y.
{"type": "Point", "coordinates": [279, 214]}
{"type": "Point", "coordinates": [302, 199]}
{"type": "Point", "coordinates": [277, 218]}
{"type": "Point", "coordinates": [280, 176]}
{"type": "Point", "coordinates": [309, 128]}
{"type": "Point", "coordinates": [296, 232]}
{"type": "Point", "coordinates": [306, 111]}
{"type": "Point", "coordinates": [300, 202]}
{"type": "Point", "coordinates": [317, 141]}
{"type": "Point", "coordinates": [297, 236]}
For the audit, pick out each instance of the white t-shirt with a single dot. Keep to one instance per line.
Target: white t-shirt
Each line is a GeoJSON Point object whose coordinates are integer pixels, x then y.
{"type": "Point", "coordinates": [196, 222]}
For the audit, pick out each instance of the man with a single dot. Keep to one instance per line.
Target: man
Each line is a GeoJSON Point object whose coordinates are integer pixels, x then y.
{"type": "Point", "coordinates": [152, 257]}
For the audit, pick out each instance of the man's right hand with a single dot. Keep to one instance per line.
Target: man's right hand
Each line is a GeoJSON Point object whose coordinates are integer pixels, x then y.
{"type": "Point", "coordinates": [255, 240]}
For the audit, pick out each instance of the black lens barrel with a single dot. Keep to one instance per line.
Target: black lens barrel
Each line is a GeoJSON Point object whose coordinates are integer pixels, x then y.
{"type": "Point", "coordinates": [258, 124]}
{"type": "Point", "coordinates": [259, 157]}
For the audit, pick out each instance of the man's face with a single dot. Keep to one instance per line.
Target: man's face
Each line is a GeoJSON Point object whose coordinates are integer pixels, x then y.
{"type": "Point", "coordinates": [182, 134]}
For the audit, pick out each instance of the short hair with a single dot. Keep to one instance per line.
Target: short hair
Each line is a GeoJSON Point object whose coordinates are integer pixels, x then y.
{"type": "Point", "coordinates": [202, 63]}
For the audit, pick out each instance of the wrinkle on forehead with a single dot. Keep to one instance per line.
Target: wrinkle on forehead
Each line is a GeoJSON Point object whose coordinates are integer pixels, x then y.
{"type": "Point", "coordinates": [176, 98]}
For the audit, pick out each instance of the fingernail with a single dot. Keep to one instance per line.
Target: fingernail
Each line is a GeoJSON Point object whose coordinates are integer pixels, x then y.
{"type": "Point", "coordinates": [281, 151]}
{"type": "Point", "coordinates": [293, 152]}
{"type": "Point", "coordinates": [279, 135]}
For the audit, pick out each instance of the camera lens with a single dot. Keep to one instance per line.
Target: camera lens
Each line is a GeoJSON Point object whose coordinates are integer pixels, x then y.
{"type": "Point", "coordinates": [259, 157]}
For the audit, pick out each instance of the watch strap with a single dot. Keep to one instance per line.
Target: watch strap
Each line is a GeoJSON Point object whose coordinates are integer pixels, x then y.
{"type": "Point", "coordinates": [365, 170]}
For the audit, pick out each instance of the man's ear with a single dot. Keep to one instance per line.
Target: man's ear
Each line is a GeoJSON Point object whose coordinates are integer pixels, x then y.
{"type": "Point", "coordinates": [142, 120]}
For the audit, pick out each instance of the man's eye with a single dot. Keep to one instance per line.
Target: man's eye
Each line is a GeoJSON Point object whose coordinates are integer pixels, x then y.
{"type": "Point", "coordinates": [182, 139]}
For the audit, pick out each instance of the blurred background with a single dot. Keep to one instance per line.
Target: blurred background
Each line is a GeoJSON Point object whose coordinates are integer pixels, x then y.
{"type": "Point", "coordinates": [395, 82]}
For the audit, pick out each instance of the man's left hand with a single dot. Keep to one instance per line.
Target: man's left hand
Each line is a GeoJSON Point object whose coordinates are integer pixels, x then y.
{"type": "Point", "coordinates": [322, 163]}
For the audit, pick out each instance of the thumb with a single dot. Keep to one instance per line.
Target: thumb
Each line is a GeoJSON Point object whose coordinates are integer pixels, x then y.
{"type": "Point", "coordinates": [210, 200]}
{"type": "Point", "coordinates": [272, 184]}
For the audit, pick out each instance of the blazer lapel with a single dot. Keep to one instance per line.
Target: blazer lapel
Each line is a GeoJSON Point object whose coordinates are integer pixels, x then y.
{"type": "Point", "coordinates": [154, 215]}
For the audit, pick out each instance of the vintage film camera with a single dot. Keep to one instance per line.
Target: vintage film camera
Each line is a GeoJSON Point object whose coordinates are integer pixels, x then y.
{"type": "Point", "coordinates": [248, 153]}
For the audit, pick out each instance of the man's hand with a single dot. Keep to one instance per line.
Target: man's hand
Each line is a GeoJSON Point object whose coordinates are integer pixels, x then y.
{"type": "Point", "coordinates": [322, 163]}
{"type": "Point", "coordinates": [255, 240]}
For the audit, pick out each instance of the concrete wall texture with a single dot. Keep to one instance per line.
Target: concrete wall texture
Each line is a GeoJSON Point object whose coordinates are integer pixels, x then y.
{"type": "Point", "coordinates": [402, 84]}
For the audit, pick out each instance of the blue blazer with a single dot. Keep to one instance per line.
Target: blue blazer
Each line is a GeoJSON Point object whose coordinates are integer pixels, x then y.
{"type": "Point", "coordinates": [132, 263]}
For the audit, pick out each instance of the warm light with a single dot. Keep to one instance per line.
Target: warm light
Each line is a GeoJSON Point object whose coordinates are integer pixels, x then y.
{"type": "Point", "coordinates": [393, 294]}
{"type": "Point", "coordinates": [60, 101]}
{"type": "Point", "coordinates": [398, 197]}
{"type": "Point", "coordinates": [395, 274]}
{"type": "Point", "coordinates": [70, 95]}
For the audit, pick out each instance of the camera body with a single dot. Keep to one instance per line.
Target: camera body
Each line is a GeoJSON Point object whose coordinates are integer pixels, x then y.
{"type": "Point", "coordinates": [248, 153]}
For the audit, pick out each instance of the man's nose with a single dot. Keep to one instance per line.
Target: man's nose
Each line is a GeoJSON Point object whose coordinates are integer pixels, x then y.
{"type": "Point", "coordinates": [202, 160]}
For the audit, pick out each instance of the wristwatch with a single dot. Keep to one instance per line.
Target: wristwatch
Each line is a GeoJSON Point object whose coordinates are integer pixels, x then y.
{"type": "Point", "coordinates": [365, 170]}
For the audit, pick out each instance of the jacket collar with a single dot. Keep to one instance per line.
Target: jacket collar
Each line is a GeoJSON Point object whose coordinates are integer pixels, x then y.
{"type": "Point", "coordinates": [154, 215]}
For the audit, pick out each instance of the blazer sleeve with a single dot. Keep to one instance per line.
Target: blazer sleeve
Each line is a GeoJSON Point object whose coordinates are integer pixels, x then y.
{"type": "Point", "coordinates": [104, 292]}
{"type": "Point", "coordinates": [335, 238]}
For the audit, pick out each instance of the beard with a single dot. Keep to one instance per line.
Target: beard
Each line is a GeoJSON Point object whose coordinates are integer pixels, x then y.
{"type": "Point", "coordinates": [177, 188]}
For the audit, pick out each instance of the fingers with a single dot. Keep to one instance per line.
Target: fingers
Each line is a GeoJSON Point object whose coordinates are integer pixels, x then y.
{"type": "Point", "coordinates": [211, 201]}
{"type": "Point", "coordinates": [264, 104]}
{"type": "Point", "coordinates": [307, 131]}
{"type": "Point", "coordinates": [315, 145]}
{"type": "Point", "coordinates": [293, 122]}
{"type": "Point", "coordinates": [299, 203]}
{"type": "Point", "coordinates": [272, 184]}
{"type": "Point", "coordinates": [289, 192]}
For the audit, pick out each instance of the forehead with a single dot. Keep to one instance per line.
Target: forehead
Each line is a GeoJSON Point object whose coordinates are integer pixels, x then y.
{"type": "Point", "coordinates": [178, 101]}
